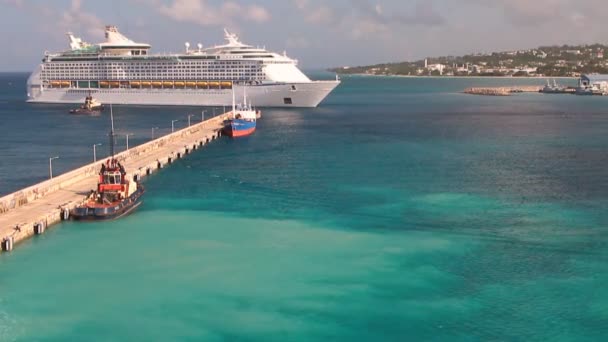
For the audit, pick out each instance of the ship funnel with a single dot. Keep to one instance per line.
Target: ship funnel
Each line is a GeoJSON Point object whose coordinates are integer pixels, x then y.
{"type": "Point", "coordinates": [115, 37]}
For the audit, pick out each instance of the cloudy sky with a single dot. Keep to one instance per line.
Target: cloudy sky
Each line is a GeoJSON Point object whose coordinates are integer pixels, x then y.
{"type": "Point", "coordinates": [319, 33]}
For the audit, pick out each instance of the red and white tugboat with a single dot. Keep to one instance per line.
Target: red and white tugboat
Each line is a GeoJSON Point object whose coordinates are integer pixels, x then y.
{"type": "Point", "coordinates": [115, 196]}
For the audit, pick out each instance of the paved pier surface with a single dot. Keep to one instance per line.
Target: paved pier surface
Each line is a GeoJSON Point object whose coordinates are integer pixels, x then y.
{"type": "Point", "coordinates": [44, 203]}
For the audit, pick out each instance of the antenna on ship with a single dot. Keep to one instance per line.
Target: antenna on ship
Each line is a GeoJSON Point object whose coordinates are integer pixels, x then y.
{"type": "Point", "coordinates": [245, 96]}
{"type": "Point", "coordinates": [233, 104]}
{"type": "Point", "coordinates": [111, 132]}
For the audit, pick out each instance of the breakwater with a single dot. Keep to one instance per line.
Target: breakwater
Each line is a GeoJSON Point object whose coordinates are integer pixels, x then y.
{"type": "Point", "coordinates": [502, 91]}
{"type": "Point", "coordinates": [31, 210]}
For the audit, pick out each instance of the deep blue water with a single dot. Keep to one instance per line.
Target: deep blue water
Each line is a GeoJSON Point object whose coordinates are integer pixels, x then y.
{"type": "Point", "coordinates": [399, 209]}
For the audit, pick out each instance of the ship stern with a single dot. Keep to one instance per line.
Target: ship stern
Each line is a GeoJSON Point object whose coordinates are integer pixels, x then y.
{"type": "Point", "coordinates": [34, 85]}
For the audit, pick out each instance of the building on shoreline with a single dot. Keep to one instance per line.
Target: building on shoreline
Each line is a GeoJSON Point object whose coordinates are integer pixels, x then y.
{"type": "Point", "coordinates": [594, 82]}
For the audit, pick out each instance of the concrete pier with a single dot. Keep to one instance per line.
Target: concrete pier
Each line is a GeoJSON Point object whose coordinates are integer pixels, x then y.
{"type": "Point", "coordinates": [501, 91]}
{"type": "Point", "coordinates": [32, 210]}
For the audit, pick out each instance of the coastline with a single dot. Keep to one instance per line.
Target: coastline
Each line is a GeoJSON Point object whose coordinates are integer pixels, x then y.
{"type": "Point", "coordinates": [472, 77]}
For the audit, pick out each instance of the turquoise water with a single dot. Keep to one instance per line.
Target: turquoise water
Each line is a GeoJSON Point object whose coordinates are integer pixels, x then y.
{"type": "Point", "coordinates": [398, 210]}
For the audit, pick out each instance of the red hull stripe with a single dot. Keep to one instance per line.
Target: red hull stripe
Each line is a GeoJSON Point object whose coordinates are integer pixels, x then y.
{"type": "Point", "coordinates": [242, 133]}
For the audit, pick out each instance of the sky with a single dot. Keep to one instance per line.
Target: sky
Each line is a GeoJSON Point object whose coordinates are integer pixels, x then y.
{"type": "Point", "coordinates": [319, 33]}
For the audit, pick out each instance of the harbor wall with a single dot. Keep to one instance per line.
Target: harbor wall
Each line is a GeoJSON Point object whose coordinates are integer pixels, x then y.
{"type": "Point", "coordinates": [501, 91]}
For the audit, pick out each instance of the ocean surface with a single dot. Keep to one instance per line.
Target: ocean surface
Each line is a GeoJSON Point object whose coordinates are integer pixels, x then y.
{"type": "Point", "coordinates": [399, 210]}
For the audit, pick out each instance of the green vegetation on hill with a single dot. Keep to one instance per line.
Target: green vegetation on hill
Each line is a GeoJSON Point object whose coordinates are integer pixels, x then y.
{"type": "Point", "coordinates": [566, 60]}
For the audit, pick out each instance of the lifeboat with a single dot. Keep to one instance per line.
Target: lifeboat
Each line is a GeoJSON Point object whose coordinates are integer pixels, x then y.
{"type": "Point", "coordinates": [135, 84]}
{"type": "Point", "coordinates": [214, 84]}
{"type": "Point", "coordinates": [202, 84]}
{"type": "Point", "coordinates": [65, 84]}
{"type": "Point", "coordinates": [191, 84]}
{"type": "Point", "coordinates": [179, 84]}
{"type": "Point", "coordinates": [226, 84]}
{"type": "Point", "coordinates": [167, 84]}
{"type": "Point", "coordinates": [114, 84]}
{"type": "Point", "coordinates": [55, 83]}
{"type": "Point", "coordinates": [104, 84]}
{"type": "Point", "coordinates": [146, 83]}
{"type": "Point", "coordinates": [157, 84]}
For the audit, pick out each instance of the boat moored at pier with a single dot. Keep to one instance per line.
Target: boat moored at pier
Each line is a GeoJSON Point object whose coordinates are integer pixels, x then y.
{"type": "Point", "coordinates": [244, 119]}
{"type": "Point", "coordinates": [115, 195]}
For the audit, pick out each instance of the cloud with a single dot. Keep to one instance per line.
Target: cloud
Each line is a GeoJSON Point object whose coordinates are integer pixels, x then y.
{"type": "Point", "coordinates": [364, 18]}
{"type": "Point", "coordinates": [15, 3]}
{"type": "Point", "coordinates": [320, 15]}
{"type": "Point", "coordinates": [368, 27]}
{"type": "Point", "coordinates": [297, 42]}
{"type": "Point", "coordinates": [544, 12]}
{"type": "Point", "coordinates": [78, 20]}
{"type": "Point", "coordinates": [258, 13]}
{"type": "Point", "coordinates": [379, 9]}
{"type": "Point", "coordinates": [300, 4]}
{"type": "Point", "coordinates": [424, 14]}
{"type": "Point", "coordinates": [75, 18]}
{"type": "Point", "coordinates": [201, 13]}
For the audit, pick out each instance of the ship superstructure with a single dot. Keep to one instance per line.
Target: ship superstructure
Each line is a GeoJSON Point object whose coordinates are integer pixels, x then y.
{"type": "Point", "coordinates": [120, 70]}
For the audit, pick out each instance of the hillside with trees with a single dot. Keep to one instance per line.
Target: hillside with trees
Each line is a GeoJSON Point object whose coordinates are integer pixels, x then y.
{"type": "Point", "coordinates": [565, 60]}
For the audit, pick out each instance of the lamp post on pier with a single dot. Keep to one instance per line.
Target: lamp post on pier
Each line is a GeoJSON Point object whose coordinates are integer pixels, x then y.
{"type": "Point", "coordinates": [189, 116]}
{"type": "Point", "coordinates": [51, 166]}
{"type": "Point", "coordinates": [94, 152]}
{"type": "Point", "coordinates": [153, 128]}
{"type": "Point", "coordinates": [127, 136]}
{"type": "Point", "coordinates": [203, 115]}
{"type": "Point", "coordinates": [173, 125]}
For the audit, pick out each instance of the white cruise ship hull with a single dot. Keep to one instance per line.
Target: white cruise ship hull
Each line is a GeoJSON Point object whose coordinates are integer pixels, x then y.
{"type": "Point", "coordinates": [308, 94]}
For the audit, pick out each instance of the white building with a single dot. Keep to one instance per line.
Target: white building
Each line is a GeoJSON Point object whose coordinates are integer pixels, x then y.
{"type": "Point", "coordinates": [594, 82]}
{"type": "Point", "coordinates": [437, 67]}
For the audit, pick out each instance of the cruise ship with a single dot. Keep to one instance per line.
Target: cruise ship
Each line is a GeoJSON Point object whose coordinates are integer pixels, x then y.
{"type": "Point", "coordinates": [121, 71]}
